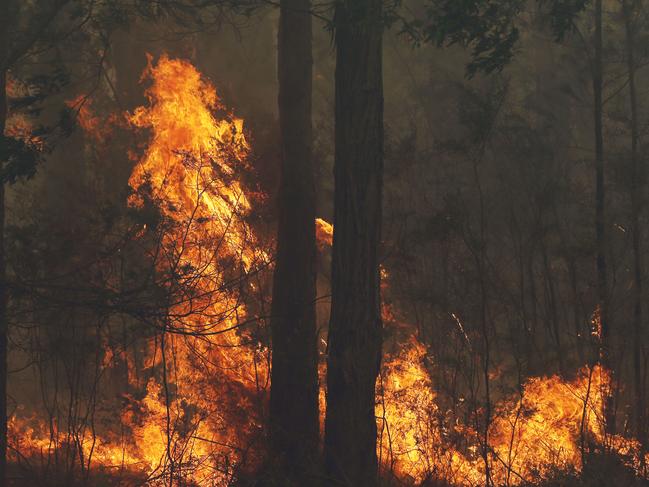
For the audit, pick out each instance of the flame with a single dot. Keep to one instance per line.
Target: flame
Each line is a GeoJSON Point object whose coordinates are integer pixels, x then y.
{"type": "Point", "coordinates": [324, 232]}
{"type": "Point", "coordinates": [548, 427]}
{"type": "Point", "coordinates": [92, 125]}
{"type": "Point", "coordinates": [189, 171]}
{"type": "Point", "coordinates": [198, 409]}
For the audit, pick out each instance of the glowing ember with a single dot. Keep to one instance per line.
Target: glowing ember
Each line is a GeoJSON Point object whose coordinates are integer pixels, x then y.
{"type": "Point", "coordinates": [19, 125]}
{"type": "Point", "coordinates": [92, 125]}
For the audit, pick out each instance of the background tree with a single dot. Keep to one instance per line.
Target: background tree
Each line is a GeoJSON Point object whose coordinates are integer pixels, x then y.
{"type": "Point", "coordinates": [16, 158]}
{"type": "Point", "coordinates": [633, 15]}
{"type": "Point", "coordinates": [600, 205]}
{"type": "Point", "coordinates": [4, 51]}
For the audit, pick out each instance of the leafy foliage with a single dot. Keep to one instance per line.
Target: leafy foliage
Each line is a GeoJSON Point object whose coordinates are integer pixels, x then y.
{"type": "Point", "coordinates": [20, 157]}
{"type": "Point", "coordinates": [486, 27]}
{"type": "Point", "coordinates": [21, 152]}
{"type": "Point", "coordinates": [562, 13]}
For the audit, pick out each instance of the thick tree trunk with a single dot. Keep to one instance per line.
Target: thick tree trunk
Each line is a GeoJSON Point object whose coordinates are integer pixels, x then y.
{"type": "Point", "coordinates": [294, 387]}
{"type": "Point", "coordinates": [637, 184]}
{"type": "Point", "coordinates": [355, 327]}
{"type": "Point", "coordinates": [4, 53]}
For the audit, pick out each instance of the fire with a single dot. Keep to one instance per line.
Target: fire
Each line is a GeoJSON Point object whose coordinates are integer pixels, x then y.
{"type": "Point", "coordinates": [324, 233]}
{"type": "Point", "coordinates": [202, 403]}
{"type": "Point", "coordinates": [200, 406]}
{"type": "Point", "coordinates": [549, 427]}
{"type": "Point", "coordinates": [189, 171]}
{"type": "Point", "coordinates": [99, 130]}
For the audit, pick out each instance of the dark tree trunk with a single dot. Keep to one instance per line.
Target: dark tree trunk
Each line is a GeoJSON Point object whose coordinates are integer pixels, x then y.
{"type": "Point", "coordinates": [294, 385]}
{"type": "Point", "coordinates": [599, 182]}
{"type": "Point", "coordinates": [355, 329]}
{"type": "Point", "coordinates": [637, 184]}
{"type": "Point", "coordinates": [4, 54]}
{"type": "Point", "coordinates": [600, 218]}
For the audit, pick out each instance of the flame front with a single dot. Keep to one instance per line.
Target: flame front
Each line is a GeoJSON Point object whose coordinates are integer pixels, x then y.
{"type": "Point", "coordinates": [546, 429]}
{"type": "Point", "coordinates": [205, 375]}
{"type": "Point", "coordinates": [189, 171]}
{"type": "Point", "coordinates": [200, 405]}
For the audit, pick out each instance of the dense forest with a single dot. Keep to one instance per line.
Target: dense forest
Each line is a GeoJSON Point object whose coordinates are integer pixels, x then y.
{"type": "Point", "coordinates": [362, 243]}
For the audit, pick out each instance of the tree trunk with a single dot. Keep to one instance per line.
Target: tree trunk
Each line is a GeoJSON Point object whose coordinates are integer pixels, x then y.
{"type": "Point", "coordinates": [4, 54]}
{"type": "Point", "coordinates": [600, 220]}
{"type": "Point", "coordinates": [637, 183]}
{"type": "Point", "coordinates": [294, 416]}
{"type": "Point", "coordinates": [355, 329]}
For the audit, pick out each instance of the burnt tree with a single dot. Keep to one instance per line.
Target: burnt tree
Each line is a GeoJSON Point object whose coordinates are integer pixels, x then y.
{"type": "Point", "coordinates": [355, 329]}
{"type": "Point", "coordinates": [294, 385]}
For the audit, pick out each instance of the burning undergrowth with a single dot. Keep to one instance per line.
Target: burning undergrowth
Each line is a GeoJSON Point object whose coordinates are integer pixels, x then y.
{"type": "Point", "coordinates": [196, 405]}
{"type": "Point", "coordinates": [198, 377]}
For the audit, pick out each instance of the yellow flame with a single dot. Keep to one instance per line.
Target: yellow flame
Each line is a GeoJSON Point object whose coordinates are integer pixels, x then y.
{"type": "Point", "coordinates": [197, 418]}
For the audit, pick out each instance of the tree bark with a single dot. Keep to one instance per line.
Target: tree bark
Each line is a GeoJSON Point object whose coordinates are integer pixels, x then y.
{"type": "Point", "coordinates": [600, 217]}
{"type": "Point", "coordinates": [637, 184]}
{"type": "Point", "coordinates": [294, 416]}
{"type": "Point", "coordinates": [355, 329]}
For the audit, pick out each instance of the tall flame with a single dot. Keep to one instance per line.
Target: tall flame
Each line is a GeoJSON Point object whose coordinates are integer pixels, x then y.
{"type": "Point", "coordinates": [199, 408]}
{"type": "Point", "coordinates": [189, 170]}
{"type": "Point", "coordinates": [202, 400]}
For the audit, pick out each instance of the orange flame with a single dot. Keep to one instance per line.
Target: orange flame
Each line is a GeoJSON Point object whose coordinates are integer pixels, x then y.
{"type": "Point", "coordinates": [199, 411]}
{"type": "Point", "coordinates": [201, 406]}
{"type": "Point", "coordinates": [324, 232]}
{"type": "Point", "coordinates": [189, 171]}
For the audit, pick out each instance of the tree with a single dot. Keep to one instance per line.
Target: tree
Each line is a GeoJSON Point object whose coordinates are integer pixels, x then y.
{"type": "Point", "coordinates": [629, 7]}
{"type": "Point", "coordinates": [600, 205]}
{"type": "Point", "coordinates": [355, 329]}
{"type": "Point", "coordinates": [8, 57]}
{"type": "Point", "coordinates": [4, 52]}
{"type": "Point", "coordinates": [294, 384]}
{"type": "Point", "coordinates": [33, 27]}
